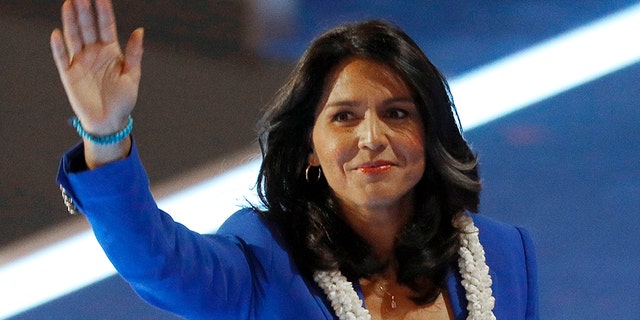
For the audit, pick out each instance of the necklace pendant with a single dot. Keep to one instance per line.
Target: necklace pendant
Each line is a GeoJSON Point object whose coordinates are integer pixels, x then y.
{"type": "Point", "coordinates": [393, 302]}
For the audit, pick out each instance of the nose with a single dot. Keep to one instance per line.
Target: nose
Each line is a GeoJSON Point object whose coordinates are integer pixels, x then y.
{"type": "Point", "coordinates": [371, 133]}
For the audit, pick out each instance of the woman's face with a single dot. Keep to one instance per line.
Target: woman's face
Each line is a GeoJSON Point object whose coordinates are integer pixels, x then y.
{"type": "Point", "coordinates": [368, 137]}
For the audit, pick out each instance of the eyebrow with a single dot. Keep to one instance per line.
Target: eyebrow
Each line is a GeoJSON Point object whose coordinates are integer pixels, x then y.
{"type": "Point", "coordinates": [352, 103]}
{"type": "Point", "coordinates": [403, 99]}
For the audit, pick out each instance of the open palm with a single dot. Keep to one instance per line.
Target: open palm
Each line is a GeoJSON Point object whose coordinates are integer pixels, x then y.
{"type": "Point", "coordinates": [101, 83]}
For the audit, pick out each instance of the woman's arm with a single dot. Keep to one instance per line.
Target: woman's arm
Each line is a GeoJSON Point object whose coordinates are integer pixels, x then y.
{"type": "Point", "coordinates": [100, 81]}
{"type": "Point", "coordinates": [170, 266]}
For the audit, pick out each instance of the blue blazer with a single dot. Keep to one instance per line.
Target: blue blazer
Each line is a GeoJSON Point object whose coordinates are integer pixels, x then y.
{"type": "Point", "coordinates": [244, 271]}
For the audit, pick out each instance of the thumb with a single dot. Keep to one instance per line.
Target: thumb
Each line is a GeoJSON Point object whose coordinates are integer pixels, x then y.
{"type": "Point", "coordinates": [133, 53]}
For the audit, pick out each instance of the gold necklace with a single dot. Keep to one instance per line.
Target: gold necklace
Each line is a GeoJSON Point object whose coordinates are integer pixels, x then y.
{"type": "Point", "coordinates": [380, 286]}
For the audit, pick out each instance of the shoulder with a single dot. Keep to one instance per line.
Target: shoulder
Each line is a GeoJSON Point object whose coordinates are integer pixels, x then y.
{"type": "Point", "coordinates": [503, 237]}
{"type": "Point", "coordinates": [259, 237]}
{"type": "Point", "coordinates": [282, 291]}
{"type": "Point", "coordinates": [503, 242]}
{"type": "Point", "coordinates": [247, 223]}
{"type": "Point", "coordinates": [510, 255]}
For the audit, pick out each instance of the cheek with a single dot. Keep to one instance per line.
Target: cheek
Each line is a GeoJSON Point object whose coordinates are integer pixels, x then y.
{"type": "Point", "coordinates": [333, 153]}
{"type": "Point", "coordinates": [332, 150]}
{"type": "Point", "coordinates": [413, 152]}
{"type": "Point", "coordinates": [417, 149]}
{"type": "Point", "coordinates": [413, 143]}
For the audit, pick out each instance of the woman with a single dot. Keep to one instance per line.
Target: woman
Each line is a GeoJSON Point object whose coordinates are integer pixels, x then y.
{"type": "Point", "coordinates": [365, 181]}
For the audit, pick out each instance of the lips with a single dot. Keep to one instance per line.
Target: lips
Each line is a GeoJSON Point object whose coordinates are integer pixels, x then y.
{"type": "Point", "coordinates": [375, 167]}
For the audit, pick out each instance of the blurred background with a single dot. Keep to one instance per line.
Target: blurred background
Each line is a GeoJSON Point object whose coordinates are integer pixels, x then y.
{"type": "Point", "coordinates": [565, 167]}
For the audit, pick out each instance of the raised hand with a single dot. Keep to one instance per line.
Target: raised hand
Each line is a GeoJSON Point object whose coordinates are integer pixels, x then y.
{"type": "Point", "coordinates": [100, 81]}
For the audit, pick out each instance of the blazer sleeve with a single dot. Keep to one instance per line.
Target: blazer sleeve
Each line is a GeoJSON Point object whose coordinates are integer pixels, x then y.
{"type": "Point", "coordinates": [168, 265]}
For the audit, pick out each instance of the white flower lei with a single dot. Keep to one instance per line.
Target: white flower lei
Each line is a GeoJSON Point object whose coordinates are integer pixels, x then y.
{"type": "Point", "coordinates": [473, 269]}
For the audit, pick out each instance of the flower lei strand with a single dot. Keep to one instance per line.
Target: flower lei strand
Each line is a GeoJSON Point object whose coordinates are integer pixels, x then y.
{"type": "Point", "coordinates": [474, 271]}
{"type": "Point", "coordinates": [473, 268]}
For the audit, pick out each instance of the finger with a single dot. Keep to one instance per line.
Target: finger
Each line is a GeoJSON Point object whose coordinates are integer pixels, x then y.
{"type": "Point", "coordinates": [106, 21]}
{"type": "Point", "coordinates": [59, 51]}
{"type": "Point", "coordinates": [70, 29]}
{"type": "Point", "coordinates": [86, 21]}
{"type": "Point", "coordinates": [133, 53]}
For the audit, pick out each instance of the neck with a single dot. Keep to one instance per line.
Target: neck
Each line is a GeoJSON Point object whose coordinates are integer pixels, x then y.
{"type": "Point", "coordinates": [379, 226]}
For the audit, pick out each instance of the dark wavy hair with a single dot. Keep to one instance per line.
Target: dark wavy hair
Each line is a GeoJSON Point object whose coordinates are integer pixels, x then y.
{"type": "Point", "coordinates": [307, 214]}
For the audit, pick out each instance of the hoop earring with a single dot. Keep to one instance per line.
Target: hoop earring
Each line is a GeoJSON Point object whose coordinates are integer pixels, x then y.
{"type": "Point", "coordinates": [306, 174]}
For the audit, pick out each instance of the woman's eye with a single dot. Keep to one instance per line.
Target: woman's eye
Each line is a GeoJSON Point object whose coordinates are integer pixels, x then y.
{"type": "Point", "coordinates": [397, 114]}
{"type": "Point", "coordinates": [342, 116]}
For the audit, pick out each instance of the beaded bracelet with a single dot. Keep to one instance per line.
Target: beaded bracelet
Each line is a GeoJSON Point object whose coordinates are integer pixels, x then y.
{"type": "Point", "coordinates": [103, 140]}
